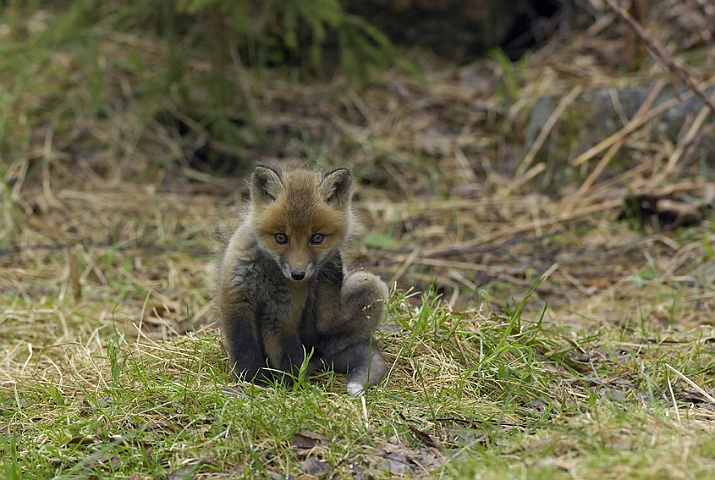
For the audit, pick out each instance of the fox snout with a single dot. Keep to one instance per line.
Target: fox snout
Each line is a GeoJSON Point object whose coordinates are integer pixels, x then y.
{"type": "Point", "coordinates": [298, 273]}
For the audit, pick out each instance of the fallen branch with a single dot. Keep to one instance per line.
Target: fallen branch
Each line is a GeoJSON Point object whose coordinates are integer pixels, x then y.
{"type": "Point", "coordinates": [669, 61]}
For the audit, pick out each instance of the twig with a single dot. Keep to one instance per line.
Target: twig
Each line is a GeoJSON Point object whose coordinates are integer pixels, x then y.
{"type": "Point", "coordinates": [522, 179]}
{"type": "Point", "coordinates": [647, 104]}
{"type": "Point", "coordinates": [548, 272]}
{"type": "Point", "coordinates": [474, 267]}
{"type": "Point", "coordinates": [544, 133]}
{"type": "Point", "coordinates": [198, 251]}
{"type": "Point", "coordinates": [405, 265]}
{"type": "Point", "coordinates": [692, 133]}
{"type": "Point", "coordinates": [461, 350]}
{"type": "Point", "coordinates": [618, 106]}
{"type": "Point", "coordinates": [692, 384]}
{"type": "Point", "coordinates": [74, 277]}
{"type": "Point", "coordinates": [524, 227]}
{"type": "Point", "coordinates": [445, 251]}
{"type": "Point", "coordinates": [632, 177]}
{"type": "Point", "coordinates": [669, 61]}
{"type": "Point", "coordinates": [464, 163]}
{"type": "Point", "coordinates": [672, 396]}
{"type": "Point", "coordinates": [364, 411]}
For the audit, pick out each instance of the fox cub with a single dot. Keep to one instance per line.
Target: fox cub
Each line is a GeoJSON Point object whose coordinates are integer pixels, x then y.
{"type": "Point", "coordinates": [283, 293]}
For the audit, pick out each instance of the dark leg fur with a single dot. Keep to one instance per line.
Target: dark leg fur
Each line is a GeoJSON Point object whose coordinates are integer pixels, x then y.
{"type": "Point", "coordinates": [287, 354]}
{"type": "Point", "coordinates": [345, 343]}
{"type": "Point", "coordinates": [247, 357]}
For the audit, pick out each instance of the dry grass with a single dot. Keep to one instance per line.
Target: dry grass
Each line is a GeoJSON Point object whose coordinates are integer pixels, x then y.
{"type": "Point", "coordinates": [110, 363]}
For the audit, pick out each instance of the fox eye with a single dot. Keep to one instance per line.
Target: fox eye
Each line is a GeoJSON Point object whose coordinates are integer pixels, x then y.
{"type": "Point", "coordinates": [317, 239]}
{"type": "Point", "coordinates": [281, 238]}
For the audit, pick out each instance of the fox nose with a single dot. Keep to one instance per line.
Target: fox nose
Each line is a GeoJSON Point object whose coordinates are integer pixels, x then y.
{"type": "Point", "coordinates": [297, 274]}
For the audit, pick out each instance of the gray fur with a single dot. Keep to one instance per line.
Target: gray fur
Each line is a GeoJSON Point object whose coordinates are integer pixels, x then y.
{"type": "Point", "coordinates": [271, 321]}
{"type": "Point", "coordinates": [349, 344]}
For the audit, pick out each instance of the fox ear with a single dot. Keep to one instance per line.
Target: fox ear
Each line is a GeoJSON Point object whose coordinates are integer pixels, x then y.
{"type": "Point", "coordinates": [337, 186]}
{"type": "Point", "coordinates": [266, 184]}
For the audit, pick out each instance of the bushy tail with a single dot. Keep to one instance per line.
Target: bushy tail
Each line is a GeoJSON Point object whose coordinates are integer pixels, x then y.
{"type": "Point", "coordinates": [369, 371]}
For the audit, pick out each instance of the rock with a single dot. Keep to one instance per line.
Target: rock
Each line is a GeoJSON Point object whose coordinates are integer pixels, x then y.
{"type": "Point", "coordinates": [313, 466]}
{"type": "Point", "coordinates": [594, 116]}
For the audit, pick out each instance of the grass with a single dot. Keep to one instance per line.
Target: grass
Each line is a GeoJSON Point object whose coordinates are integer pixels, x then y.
{"type": "Point", "coordinates": [470, 393]}
{"type": "Point", "coordinates": [553, 341]}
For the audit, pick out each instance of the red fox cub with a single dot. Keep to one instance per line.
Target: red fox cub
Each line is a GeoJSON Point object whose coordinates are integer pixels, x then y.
{"type": "Point", "coordinates": [283, 293]}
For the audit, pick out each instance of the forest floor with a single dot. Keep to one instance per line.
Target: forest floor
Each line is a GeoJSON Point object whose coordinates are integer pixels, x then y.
{"type": "Point", "coordinates": [545, 321]}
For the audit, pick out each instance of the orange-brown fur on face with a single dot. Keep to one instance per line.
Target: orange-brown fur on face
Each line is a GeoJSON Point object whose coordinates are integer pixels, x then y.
{"type": "Point", "coordinates": [300, 204]}
{"type": "Point", "coordinates": [272, 316]}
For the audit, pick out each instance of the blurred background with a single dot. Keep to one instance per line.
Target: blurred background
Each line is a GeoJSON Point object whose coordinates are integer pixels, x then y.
{"type": "Point", "coordinates": [491, 140]}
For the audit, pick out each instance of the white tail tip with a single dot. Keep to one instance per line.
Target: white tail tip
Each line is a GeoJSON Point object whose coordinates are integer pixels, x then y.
{"type": "Point", "coordinates": [355, 389]}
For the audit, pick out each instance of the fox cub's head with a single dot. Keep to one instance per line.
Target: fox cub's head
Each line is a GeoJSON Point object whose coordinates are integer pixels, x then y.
{"type": "Point", "coordinates": [301, 217]}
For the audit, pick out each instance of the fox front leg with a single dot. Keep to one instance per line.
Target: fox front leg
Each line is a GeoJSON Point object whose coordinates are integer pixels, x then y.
{"type": "Point", "coordinates": [240, 337]}
{"type": "Point", "coordinates": [286, 354]}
